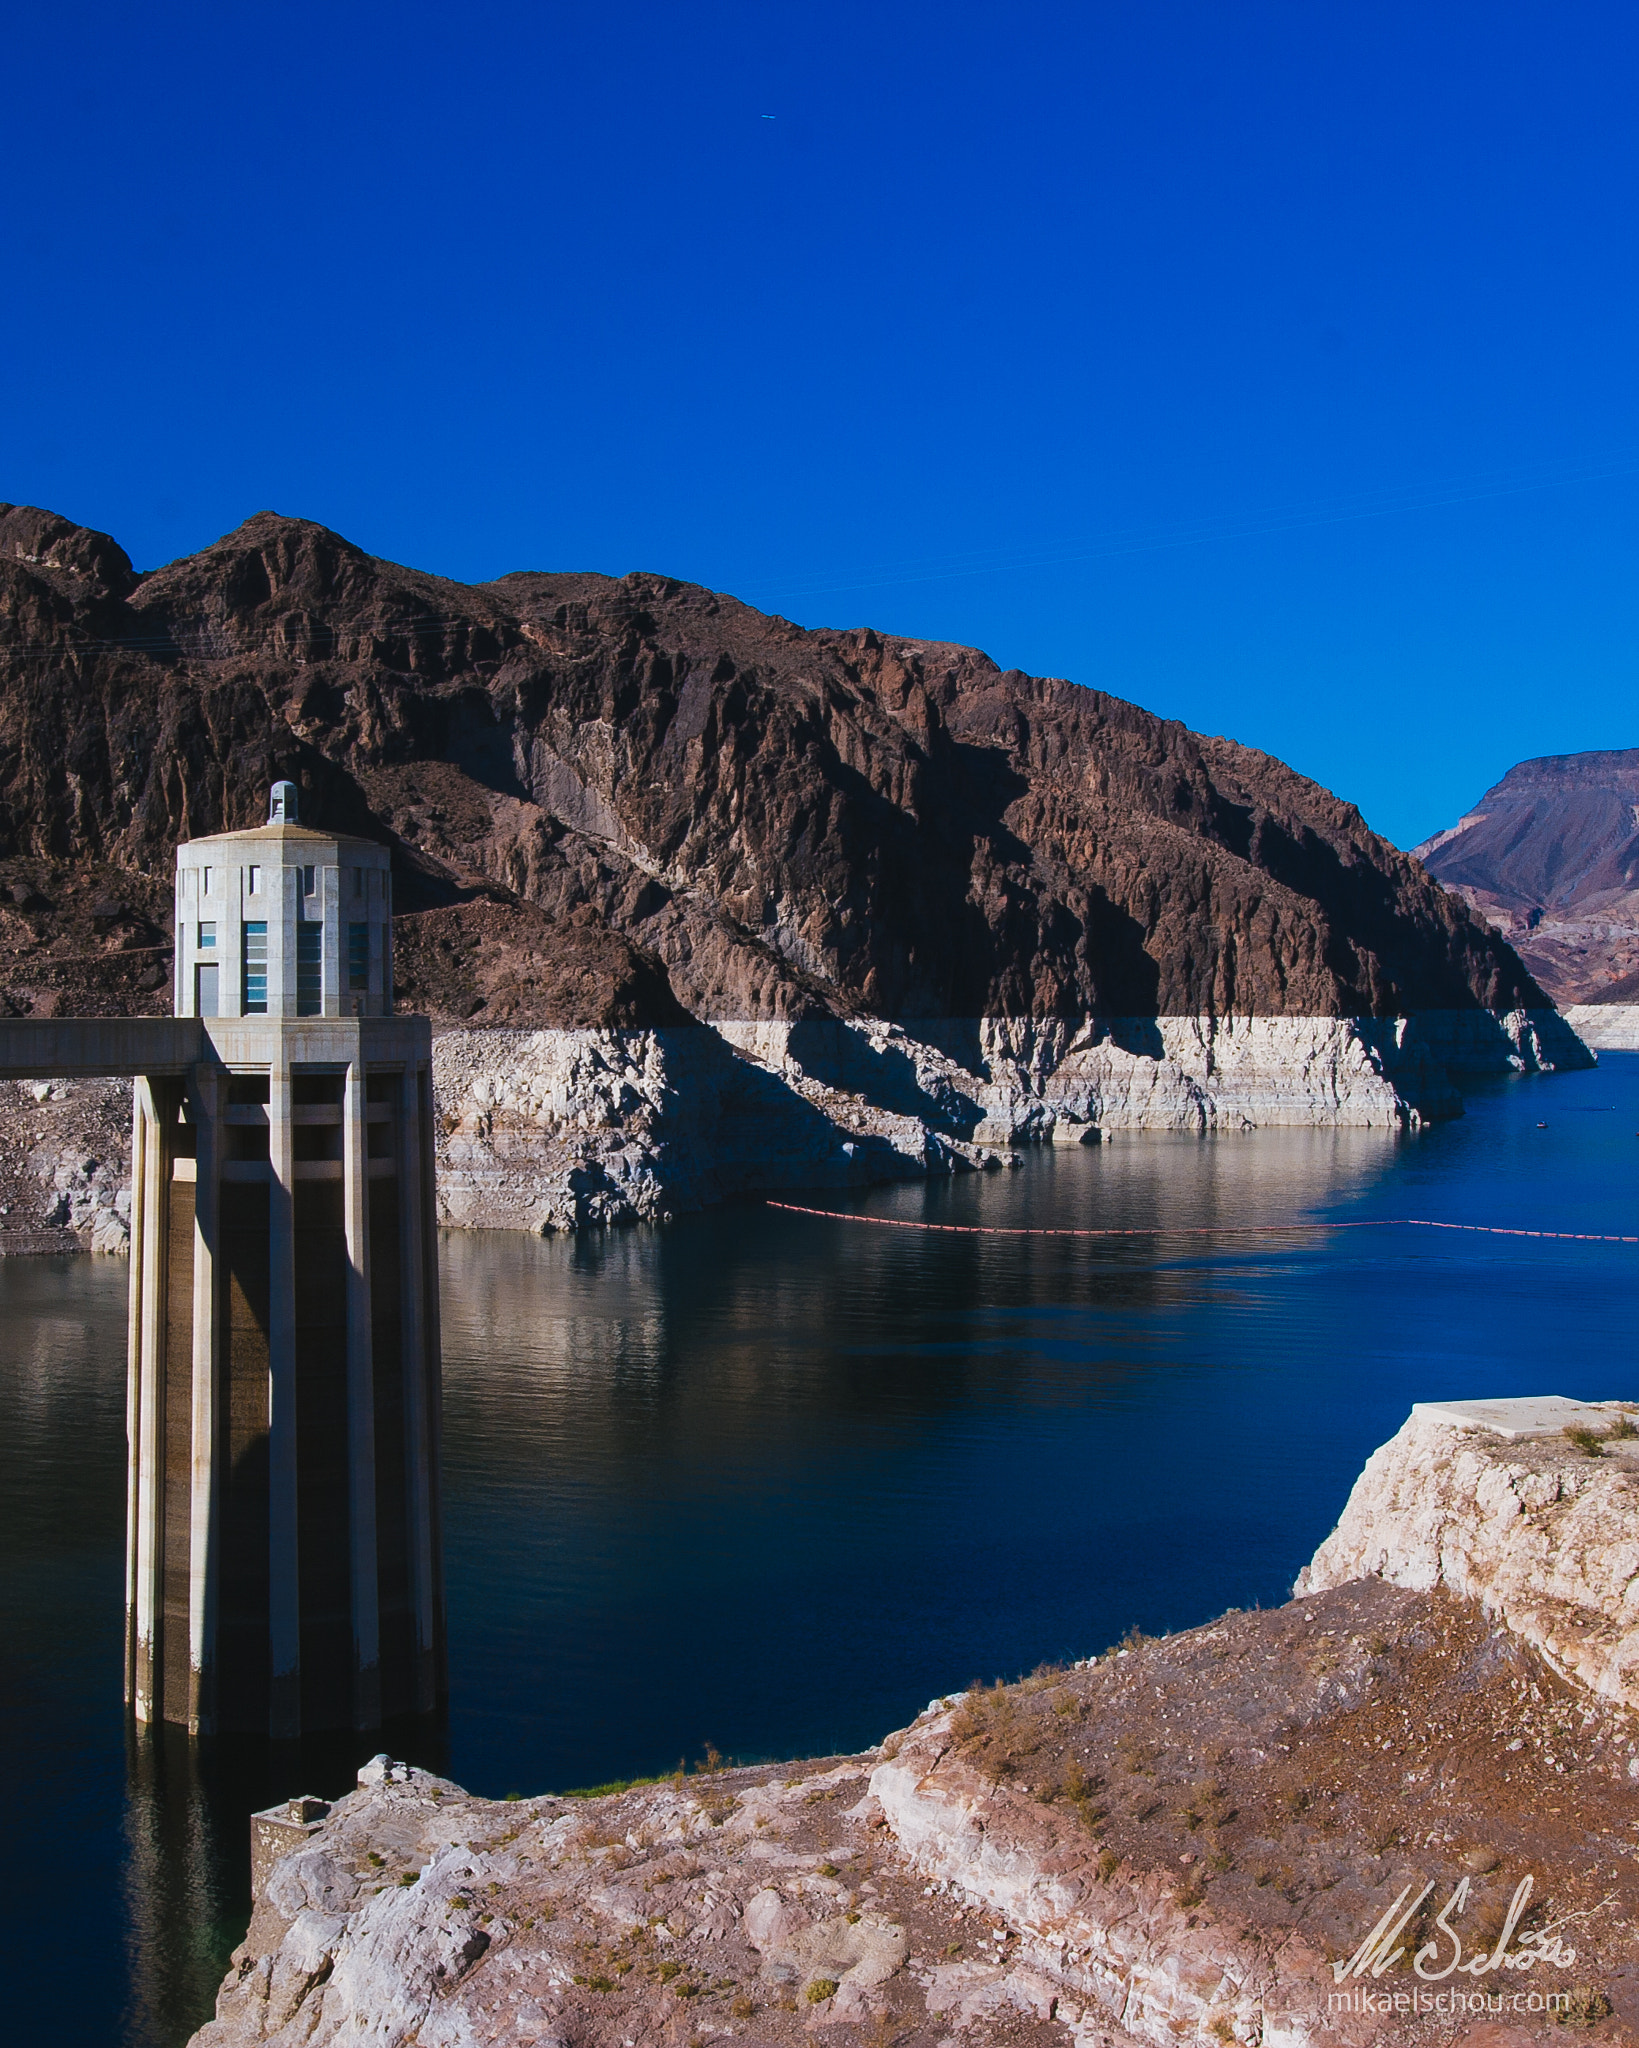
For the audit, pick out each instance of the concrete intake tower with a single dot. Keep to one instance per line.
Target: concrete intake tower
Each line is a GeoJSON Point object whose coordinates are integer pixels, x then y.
{"type": "Point", "coordinates": [283, 1557]}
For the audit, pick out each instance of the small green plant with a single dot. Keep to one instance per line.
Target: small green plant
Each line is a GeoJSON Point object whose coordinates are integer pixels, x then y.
{"type": "Point", "coordinates": [513, 1797]}
{"type": "Point", "coordinates": [1623, 1428]}
{"type": "Point", "coordinates": [600, 1984]}
{"type": "Point", "coordinates": [686, 1990]}
{"type": "Point", "coordinates": [1583, 2007]}
{"type": "Point", "coordinates": [1107, 1865]}
{"type": "Point", "coordinates": [828, 1870]}
{"type": "Point", "coordinates": [1221, 2026]}
{"type": "Point", "coordinates": [407, 1877]}
{"type": "Point", "coordinates": [953, 1948]}
{"type": "Point", "coordinates": [373, 1859]}
{"type": "Point", "coordinates": [614, 1786]}
{"type": "Point", "coordinates": [820, 1990]}
{"type": "Point", "coordinates": [744, 2008]}
{"type": "Point", "coordinates": [852, 1919]}
{"type": "Point", "coordinates": [1588, 1441]}
{"type": "Point", "coordinates": [667, 1971]}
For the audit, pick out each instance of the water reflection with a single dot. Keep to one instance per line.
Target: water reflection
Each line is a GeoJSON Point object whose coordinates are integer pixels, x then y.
{"type": "Point", "coordinates": [185, 1883]}
{"type": "Point", "coordinates": [769, 1481]}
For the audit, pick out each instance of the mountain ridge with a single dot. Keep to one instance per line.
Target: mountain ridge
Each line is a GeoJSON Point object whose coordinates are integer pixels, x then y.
{"type": "Point", "coordinates": [734, 814]}
{"type": "Point", "coordinates": [1550, 855]}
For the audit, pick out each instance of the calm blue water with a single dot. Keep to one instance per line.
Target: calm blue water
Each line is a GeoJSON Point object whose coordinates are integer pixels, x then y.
{"type": "Point", "coordinates": [770, 1481]}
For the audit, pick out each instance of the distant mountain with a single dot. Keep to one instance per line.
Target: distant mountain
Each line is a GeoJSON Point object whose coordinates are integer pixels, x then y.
{"type": "Point", "coordinates": [1551, 857]}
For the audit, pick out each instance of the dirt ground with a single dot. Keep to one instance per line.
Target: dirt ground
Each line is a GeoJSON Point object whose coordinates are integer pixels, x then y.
{"type": "Point", "coordinates": [1184, 1839]}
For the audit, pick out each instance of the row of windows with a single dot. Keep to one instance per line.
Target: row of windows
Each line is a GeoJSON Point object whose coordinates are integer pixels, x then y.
{"type": "Point", "coordinates": [253, 881]}
{"type": "Point", "coordinates": [309, 965]}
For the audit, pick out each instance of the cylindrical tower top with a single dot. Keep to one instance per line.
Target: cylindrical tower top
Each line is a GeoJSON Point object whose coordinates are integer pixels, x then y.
{"type": "Point", "coordinates": [283, 921]}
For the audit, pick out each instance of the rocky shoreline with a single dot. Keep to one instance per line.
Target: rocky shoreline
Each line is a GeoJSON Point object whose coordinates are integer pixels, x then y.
{"type": "Point", "coordinates": [1185, 1839]}
{"type": "Point", "coordinates": [569, 1129]}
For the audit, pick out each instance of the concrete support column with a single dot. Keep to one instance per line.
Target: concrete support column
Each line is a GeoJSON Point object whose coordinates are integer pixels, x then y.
{"type": "Point", "coordinates": [148, 1281]}
{"type": "Point", "coordinates": [284, 1581]}
{"type": "Point", "coordinates": [133, 1388]}
{"type": "Point", "coordinates": [206, 1478]}
{"type": "Point", "coordinates": [361, 1399]}
{"type": "Point", "coordinates": [420, 1423]}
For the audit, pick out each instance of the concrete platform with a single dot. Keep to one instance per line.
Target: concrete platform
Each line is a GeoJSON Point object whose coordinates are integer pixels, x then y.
{"type": "Point", "coordinates": [1528, 1415]}
{"type": "Point", "coordinates": [98, 1047]}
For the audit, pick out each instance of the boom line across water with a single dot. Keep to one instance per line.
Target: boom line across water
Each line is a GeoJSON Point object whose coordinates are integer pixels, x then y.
{"type": "Point", "coordinates": [1201, 1229]}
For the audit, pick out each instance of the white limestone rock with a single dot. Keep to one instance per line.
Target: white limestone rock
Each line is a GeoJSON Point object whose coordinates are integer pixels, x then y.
{"type": "Point", "coordinates": [1542, 1535]}
{"type": "Point", "coordinates": [549, 1130]}
{"type": "Point", "coordinates": [1607, 1027]}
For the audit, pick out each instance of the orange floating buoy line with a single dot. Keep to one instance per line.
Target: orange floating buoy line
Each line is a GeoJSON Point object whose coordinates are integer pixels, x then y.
{"type": "Point", "coordinates": [1202, 1229]}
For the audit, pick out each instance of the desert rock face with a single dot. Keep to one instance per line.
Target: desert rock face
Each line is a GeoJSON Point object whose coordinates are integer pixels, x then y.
{"type": "Point", "coordinates": [1188, 1838]}
{"type": "Point", "coordinates": [706, 904]}
{"type": "Point", "coordinates": [1542, 1531]}
{"type": "Point", "coordinates": [1551, 857]}
{"type": "Point", "coordinates": [793, 824]}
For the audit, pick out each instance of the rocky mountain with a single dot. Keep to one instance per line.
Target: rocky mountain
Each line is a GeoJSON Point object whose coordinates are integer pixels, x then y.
{"type": "Point", "coordinates": [791, 823]}
{"type": "Point", "coordinates": [928, 906]}
{"type": "Point", "coordinates": [1551, 856]}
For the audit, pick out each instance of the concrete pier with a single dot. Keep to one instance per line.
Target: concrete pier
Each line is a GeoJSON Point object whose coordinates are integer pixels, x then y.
{"type": "Point", "coordinates": [283, 1556]}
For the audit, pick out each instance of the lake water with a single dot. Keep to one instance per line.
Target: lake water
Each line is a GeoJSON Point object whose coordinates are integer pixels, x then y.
{"type": "Point", "coordinates": [770, 1481]}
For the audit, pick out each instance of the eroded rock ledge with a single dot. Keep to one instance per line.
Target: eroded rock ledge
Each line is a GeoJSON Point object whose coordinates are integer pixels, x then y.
{"type": "Point", "coordinates": [1180, 1840]}
{"type": "Point", "coordinates": [559, 1129]}
{"type": "Point", "coordinates": [565, 1129]}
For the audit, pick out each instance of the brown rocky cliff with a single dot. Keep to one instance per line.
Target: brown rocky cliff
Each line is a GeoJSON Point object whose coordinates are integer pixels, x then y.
{"type": "Point", "coordinates": [1550, 855]}
{"type": "Point", "coordinates": [684, 799]}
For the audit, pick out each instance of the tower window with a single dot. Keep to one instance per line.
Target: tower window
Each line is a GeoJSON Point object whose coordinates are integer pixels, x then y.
{"type": "Point", "coordinates": [255, 968]}
{"type": "Point", "coordinates": [307, 881]}
{"type": "Point", "coordinates": [204, 881]}
{"type": "Point", "coordinates": [358, 956]}
{"type": "Point", "coordinates": [253, 881]}
{"type": "Point", "coordinates": [207, 937]}
{"type": "Point", "coordinates": [309, 967]}
{"type": "Point", "coordinates": [358, 881]}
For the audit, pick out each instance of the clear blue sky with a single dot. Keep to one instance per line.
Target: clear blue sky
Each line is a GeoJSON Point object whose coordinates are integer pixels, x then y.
{"type": "Point", "coordinates": [1271, 364]}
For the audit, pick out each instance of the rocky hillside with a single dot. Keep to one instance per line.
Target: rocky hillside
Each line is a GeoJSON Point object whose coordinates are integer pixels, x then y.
{"type": "Point", "coordinates": [615, 801]}
{"type": "Point", "coordinates": [1551, 857]}
{"type": "Point", "coordinates": [1188, 1839]}
{"type": "Point", "coordinates": [930, 908]}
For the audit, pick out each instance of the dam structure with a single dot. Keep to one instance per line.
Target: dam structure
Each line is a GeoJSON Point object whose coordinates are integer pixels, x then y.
{"type": "Point", "coordinates": [283, 1548]}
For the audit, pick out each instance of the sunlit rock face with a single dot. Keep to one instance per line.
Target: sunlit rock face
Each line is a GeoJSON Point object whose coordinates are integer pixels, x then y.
{"type": "Point", "coordinates": [791, 823]}
{"type": "Point", "coordinates": [1189, 1837]}
{"type": "Point", "coordinates": [1550, 856]}
{"type": "Point", "coordinates": [1540, 1527]}
{"type": "Point", "coordinates": [769, 907]}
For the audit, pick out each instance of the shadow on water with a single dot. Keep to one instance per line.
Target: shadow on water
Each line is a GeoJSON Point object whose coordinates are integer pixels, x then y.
{"type": "Point", "coordinates": [185, 1884]}
{"type": "Point", "coordinates": [772, 1480]}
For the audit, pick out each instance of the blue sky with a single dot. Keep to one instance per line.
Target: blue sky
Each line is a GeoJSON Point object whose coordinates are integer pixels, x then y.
{"type": "Point", "coordinates": [1270, 364]}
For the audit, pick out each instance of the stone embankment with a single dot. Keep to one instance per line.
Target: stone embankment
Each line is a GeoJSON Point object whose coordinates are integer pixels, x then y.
{"type": "Point", "coordinates": [1606, 1027]}
{"type": "Point", "coordinates": [559, 1129]}
{"type": "Point", "coordinates": [1182, 1840]}
{"type": "Point", "coordinates": [562, 1130]}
